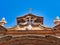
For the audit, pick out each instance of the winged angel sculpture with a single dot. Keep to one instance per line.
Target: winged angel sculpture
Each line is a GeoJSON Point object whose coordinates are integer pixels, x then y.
{"type": "Point", "coordinates": [29, 22]}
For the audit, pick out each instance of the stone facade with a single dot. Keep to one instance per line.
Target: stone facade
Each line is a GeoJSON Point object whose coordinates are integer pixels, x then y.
{"type": "Point", "coordinates": [30, 30]}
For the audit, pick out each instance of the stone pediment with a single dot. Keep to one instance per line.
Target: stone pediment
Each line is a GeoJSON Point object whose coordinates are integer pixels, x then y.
{"type": "Point", "coordinates": [32, 16]}
{"type": "Point", "coordinates": [29, 21]}
{"type": "Point", "coordinates": [38, 27]}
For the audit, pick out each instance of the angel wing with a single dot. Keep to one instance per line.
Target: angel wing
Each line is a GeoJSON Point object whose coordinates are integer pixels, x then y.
{"type": "Point", "coordinates": [23, 23]}
{"type": "Point", "coordinates": [33, 22]}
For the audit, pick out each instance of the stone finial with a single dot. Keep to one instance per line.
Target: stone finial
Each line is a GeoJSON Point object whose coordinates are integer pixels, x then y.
{"type": "Point", "coordinates": [3, 22]}
{"type": "Point", "coordinates": [57, 21]}
{"type": "Point", "coordinates": [57, 18]}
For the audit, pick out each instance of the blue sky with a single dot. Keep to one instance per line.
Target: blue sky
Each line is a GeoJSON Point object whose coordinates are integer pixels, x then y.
{"type": "Point", "coordinates": [10, 9]}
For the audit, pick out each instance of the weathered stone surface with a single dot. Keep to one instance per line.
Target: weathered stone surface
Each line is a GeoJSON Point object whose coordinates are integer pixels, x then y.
{"type": "Point", "coordinates": [32, 40]}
